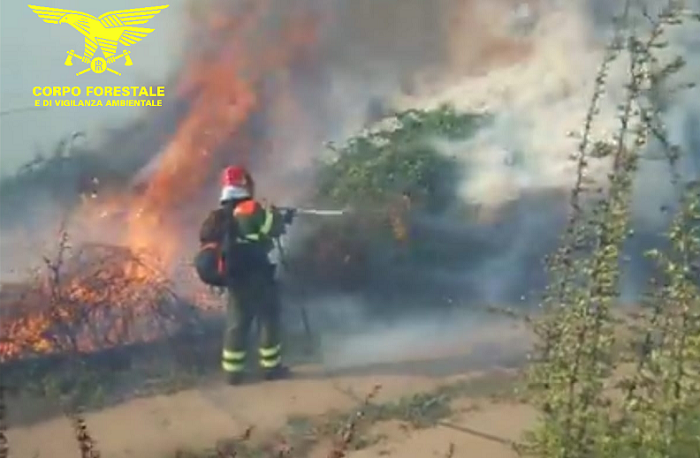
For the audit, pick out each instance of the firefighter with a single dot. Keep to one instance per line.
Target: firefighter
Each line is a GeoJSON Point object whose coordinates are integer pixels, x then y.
{"type": "Point", "coordinates": [249, 275]}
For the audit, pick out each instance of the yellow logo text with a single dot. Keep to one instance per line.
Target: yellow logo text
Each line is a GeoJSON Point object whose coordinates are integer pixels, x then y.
{"type": "Point", "coordinates": [98, 91]}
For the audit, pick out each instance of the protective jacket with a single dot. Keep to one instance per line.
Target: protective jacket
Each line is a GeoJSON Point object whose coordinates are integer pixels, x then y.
{"type": "Point", "coordinates": [246, 230]}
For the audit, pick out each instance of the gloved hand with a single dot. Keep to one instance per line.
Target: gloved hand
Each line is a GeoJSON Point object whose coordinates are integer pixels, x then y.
{"type": "Point", "coordinates": [288, 215]}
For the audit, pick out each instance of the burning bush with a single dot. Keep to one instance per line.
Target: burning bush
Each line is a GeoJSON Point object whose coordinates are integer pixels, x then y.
{"type": "Point", "coordinates": [93, 297]}
{"type": "Point", "coordinates": [385, 175]}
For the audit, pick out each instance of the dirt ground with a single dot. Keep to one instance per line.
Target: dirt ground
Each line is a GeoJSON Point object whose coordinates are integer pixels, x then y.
{"type": "Point", "coordinates": [195, 419]}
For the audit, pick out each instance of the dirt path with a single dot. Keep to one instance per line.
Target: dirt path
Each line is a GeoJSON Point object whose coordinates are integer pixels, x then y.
{"type": "Point", "coordinates": [151, 427]}
{"type": "Point", "coordinates": [196, 419]}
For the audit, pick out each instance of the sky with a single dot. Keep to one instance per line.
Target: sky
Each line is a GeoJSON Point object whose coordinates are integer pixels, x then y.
{"type": "Point", "coordinates": [32, 53]}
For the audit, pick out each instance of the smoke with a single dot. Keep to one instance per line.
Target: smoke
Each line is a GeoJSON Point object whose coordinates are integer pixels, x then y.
{"type": "Point", "coordinates": [365, 53]}
{"type": "Point", "coordinates": [537, 98]}
{"type": "Point", "coordinates": [531, 64]}
{"type": "Point", "coordinates": [540, 97]}
{"type": "Point", "coordinates": [534, 69]}
{"type": "Point", "coordinates": [435, 343]}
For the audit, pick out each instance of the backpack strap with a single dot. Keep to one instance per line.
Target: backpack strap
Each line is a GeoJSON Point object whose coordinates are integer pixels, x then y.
{"type": "Point", "coordinates": [256, 222]}
{"type": "Point", "coordinates": [230, 233]}
{"type": "Point", "coordinates": [211, 229]}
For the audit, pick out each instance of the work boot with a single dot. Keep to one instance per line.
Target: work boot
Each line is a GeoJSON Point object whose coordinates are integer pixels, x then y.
{"type": "Point", "coordinates": [234, 378]}
{"type": "Point", "coordinates": [277, 373]}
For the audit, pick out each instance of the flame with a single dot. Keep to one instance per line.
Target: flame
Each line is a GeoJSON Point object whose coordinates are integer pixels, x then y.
{"type": "Point", "coordinates": [226, 78]}
{"type": "Point", "coordinates": [115, 295]}
{"type": "Point", "coordinates": [113, 299]}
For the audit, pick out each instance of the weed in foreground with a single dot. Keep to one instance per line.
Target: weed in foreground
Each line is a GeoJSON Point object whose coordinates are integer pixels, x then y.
{"type": "Point", "coordinates": [87, 446]}
{"type": "Point", "coordinates": [569, 378]}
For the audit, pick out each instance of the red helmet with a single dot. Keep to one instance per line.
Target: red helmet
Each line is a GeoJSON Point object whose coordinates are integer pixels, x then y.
{"type": "Point", "coordinates": [236, 183]}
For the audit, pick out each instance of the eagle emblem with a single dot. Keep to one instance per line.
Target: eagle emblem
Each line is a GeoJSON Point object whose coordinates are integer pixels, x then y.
{"type": "Point", "coordinates": [104, 32]}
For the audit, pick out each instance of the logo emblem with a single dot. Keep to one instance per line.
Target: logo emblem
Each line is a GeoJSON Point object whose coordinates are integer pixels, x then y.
{"type": "Point", "coordinates": [104, 32]}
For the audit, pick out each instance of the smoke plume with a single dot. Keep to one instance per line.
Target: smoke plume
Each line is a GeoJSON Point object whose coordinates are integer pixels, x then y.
{"type": "Point", "coordinates": [266, 83]}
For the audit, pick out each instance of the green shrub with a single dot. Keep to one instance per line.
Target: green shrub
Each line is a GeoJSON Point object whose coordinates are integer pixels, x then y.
{"type": "Point", "coordinates": [383, 176]}
{"type": "Point", "coordinates": [402, 159]}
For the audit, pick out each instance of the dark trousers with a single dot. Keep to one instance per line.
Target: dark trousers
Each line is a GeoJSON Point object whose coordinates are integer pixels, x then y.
{"type": "Point", "coordinates": [250, 299]}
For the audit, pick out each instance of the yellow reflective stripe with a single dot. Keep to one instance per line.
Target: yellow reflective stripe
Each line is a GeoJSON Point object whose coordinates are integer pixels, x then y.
{"type": "Point", "coordinates": [267, 225]}
{"type": "Point", "coordinates": [264, 229]}
{"type": "Point", "coordinates": [270, 351]}
{"type": "Point", "coordinates": [270, 363]}
{"type": "Point", "coordinates": [233, 355]}
{"type": "Point", "coordinates": [232, 367]}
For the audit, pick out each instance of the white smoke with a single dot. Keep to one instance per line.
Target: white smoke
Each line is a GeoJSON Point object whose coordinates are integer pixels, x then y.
{"type": "Point", "coordinates": [534, 70]}
{"type": "Point", "coordinates": [538, 99]}
{"type": "Point", "coordinates": [540, 95]}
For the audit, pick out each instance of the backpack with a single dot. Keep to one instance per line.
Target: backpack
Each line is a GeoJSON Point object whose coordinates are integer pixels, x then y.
{"type": "Point", "coordinates": [216, 258]}
{"type": "Point", "coordinates": [208, 263]}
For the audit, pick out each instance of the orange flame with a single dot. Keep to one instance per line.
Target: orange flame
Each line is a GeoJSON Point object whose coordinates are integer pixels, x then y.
{"type": "Point", "coordinates": [226, 80]}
